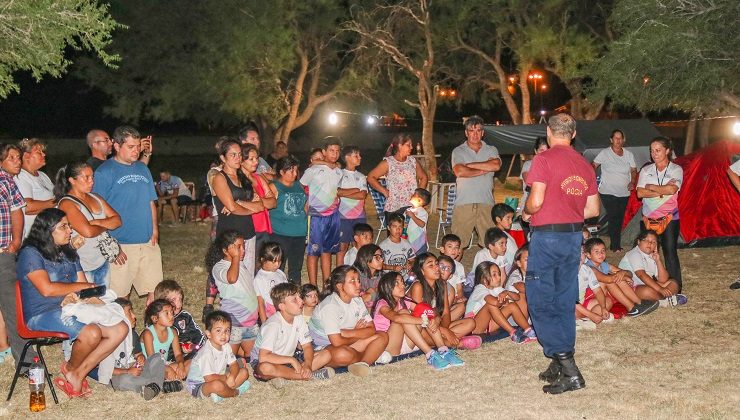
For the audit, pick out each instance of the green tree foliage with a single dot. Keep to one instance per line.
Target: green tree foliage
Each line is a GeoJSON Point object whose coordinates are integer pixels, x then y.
{"type": "Point", "coordinates": [673, 53]}
{"type": "Point", "coordinates": [35, 33]}
{"type": "Point", "coordinates": [226, 61]}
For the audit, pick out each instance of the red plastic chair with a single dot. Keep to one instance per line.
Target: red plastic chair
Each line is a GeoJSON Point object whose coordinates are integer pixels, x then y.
{"type": "Point", "coordinates": [35, 338]}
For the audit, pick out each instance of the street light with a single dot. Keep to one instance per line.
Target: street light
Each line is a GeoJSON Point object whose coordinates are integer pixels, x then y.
{"type": "Point", "coordinates": [736, 129]}
{"type": "Point", "coordinates": [370, 120]}
{"type": "Point", "coordinates": [333, 118]}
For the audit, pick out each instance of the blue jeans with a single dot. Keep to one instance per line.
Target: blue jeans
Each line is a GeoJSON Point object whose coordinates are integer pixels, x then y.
{"type": "Point", "coordinates": [52, 321]}
{"type": "Point", "coordinates": [552, 288]}
{"type": "Point", "coordinates": [100, 276]}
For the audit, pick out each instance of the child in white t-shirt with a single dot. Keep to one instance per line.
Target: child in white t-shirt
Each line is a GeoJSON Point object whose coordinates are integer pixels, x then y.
{"type": "Point", "coordinates": [417, 218]}
{"type": "Point", "coordinates": [215, 371]}
{"type": "Point", "coordinates": [362, 233]}
{"type": "Point", "coordinates": [274, 356]}
{"type": "Point", "coordinates": [491, 302]}
{"type": "Point", "coordinates": [269, 276]}
{"type": "Point", "coordinates": [398, 254]}
{"type": "Point", "coordinates": [352, 192]}
{"type": "Point", "coordinates": [495, 251]}
{"type": "Point", "coordinates": [342, 325]}
{"type": "Point", "coordinates": [517, 274]}
{"type": "Point", "coordinates": [592, 304]}
{"type": "Point", "coordinates": [451, 248]}
{"type": "Point", "coordinates": [503, 218]}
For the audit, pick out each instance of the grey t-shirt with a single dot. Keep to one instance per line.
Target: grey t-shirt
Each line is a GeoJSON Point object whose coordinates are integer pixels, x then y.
{"type": "Point", "coordinates": [477, 189]}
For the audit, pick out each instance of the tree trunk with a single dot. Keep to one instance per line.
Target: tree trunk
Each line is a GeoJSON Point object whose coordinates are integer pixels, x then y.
{"type": "Point", "coordinates": [690, 135]}
{"type": "Point", "coordinates": [704, 126]}
{"type": "Point", "coordinates": [524, 87]}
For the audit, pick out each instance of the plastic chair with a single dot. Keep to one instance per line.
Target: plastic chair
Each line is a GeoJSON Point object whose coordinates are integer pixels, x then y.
{"type": "Point", "coordinates": [379, 202]}
{"type": "Point", "coordinates": [445, 215]}
{"type": "Point", "coordinates": [35, 338]}
{"type": "Point", "coordinates": [185, 210]}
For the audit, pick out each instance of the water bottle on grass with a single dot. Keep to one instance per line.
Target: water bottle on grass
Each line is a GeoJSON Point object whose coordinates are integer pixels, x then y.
{"type": "Point", "coordinates": [36, 376]}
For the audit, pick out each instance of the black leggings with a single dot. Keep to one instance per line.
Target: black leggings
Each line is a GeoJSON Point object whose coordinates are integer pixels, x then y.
{"type": "Point", "coordinates": [615, 207]}
{"type": "Point", "coordinates": [669, 242]}
{"type": "Point", "coordinates": [294, 248]}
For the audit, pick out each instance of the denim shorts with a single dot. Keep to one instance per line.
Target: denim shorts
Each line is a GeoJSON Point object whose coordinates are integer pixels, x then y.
{"type": "Point", "coordinates": [100, 276]}
{"type": "Point", "coordinates": [52, 321]}
{"type": "Point", "coordinates": [239, 334]}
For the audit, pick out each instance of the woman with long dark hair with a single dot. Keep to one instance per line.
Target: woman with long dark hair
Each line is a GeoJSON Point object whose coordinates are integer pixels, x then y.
{"type": "Point", "coordinates": [432, 290]}
{"type": "Point", "coordinates": [658, 186]}
{"type": "Point", "coordinates": [90, 217]}
{"type": "Point", "coordinates": [262, 189]}
{"type": "Point", "coordinates": [50, 276]}
{"type": "Point", "coordinates": [289, 219]}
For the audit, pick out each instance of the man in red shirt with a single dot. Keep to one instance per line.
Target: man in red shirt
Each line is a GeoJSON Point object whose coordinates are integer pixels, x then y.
{"type": "Point", "coordinates": [563, 194]}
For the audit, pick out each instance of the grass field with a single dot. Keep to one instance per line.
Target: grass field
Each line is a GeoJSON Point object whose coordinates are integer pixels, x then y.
{"type": "Point", "coordinates": [672, 364]}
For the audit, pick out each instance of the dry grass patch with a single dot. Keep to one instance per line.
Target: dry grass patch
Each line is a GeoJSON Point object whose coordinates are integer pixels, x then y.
{"type": "Point", "coordinates": [673, 363]}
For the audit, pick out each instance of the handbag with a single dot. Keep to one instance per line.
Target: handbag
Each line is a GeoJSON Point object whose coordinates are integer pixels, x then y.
{"type": "Point", "coordinates": [659, 224]}
{"type": "Point", "coordinates": [107, 244]}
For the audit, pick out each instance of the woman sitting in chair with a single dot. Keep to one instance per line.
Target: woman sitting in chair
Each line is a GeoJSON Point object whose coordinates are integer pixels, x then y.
{"type": "Point", "coordinates": [50, 276]}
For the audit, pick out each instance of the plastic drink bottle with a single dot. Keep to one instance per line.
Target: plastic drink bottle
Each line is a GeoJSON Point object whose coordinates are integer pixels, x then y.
{"type": "Point", "coordinates": [36, 385]}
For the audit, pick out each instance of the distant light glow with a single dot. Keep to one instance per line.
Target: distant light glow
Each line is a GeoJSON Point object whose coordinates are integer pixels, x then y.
{"type": "Point", "coordinates": [333, 118]}
{"type": "Point", "coordinates": [370, 120]}
{"type": "Point", "coordinates": [543, 112]}
{"type": "Point", "coordinates": [736, 128]}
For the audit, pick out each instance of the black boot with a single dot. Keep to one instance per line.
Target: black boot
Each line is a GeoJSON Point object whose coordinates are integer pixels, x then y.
{"type": "Point", "coordinates": [552, 372]}
{"type": "Point", "coordinates": [570, 378]}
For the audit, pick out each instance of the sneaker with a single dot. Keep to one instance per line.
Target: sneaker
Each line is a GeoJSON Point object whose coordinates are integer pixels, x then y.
{"type": "Point", "coordinates": [384, 358]}
{"type": "Point", "coordinates": [644, 307]}
{"type": "Point", "coordinates": [668, 302]}
{"type": "Point", "coordinates": [216, 398]}
{"type": "Point", "coordinates": [609, 320]}
{"type": "Point", "coordinates": [171, 386]}
{"type": "Point", "coordinates": [150, 391]}
{"type": "Point", "coordinates": [735, 285]}
{"type": "Point", "coordinates": [452, 358]}
{"type": "Point", "coordinates": [470, 342]}
{"type": "Point", "coordinates": [243, 388]}
{"type": "Point", "coordinates": [437, 362]}
{"type": "Point", "coordinates": [681, 299]}
{"type": "Point", "coordinates": [531, 336]}
{"type": "Point", "coordinates": [360, 369]}
{"type": "Point", "coordinates": [323, 373]}
{"type": "Point", "coordinates": [518, 336]}
{"type": "Point", "coordinates": [278, 383]}
{"type": "Point", "coordinates": [585, 325]}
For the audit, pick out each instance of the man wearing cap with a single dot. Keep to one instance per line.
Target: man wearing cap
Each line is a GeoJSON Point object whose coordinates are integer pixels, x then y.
{"type": "Point", "coordinates": [563, 194]}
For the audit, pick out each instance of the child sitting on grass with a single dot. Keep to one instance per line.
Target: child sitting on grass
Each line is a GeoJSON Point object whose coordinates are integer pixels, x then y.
{"type": "Point", "coordinates": [362, 235]}
{"type": "Point", "coordinates": [391, 315]}
{"type": "Point", "coordinates": [617, 282]}
{"type": "Point", "coordinates": [159, 337]}
{"type": "Point", "coordinates": [310, 296]}
{"type": "Point", "coordinates": [451, 248]}
{"type": "Point", "coordinates": [398, 255]}
{"type": "Point", "coordinates": [274, 356]}
{"type": "Point", "coordinates": [269, 276]}
{"type": "Point", "coordinates": [446, 273]}
{"type": "Point", "coordinates": [491, 302]}
{"type": "Point", "coordinates": [593, 303]}
{"type": "Point", "coordinates": [495, 251]}
{"type": "Point", "coordinates": [503, 217]}
{"type": "Point", "coordinates": [517, 274]}
{"type": "Point", "coordinates": [649, 275]}
{"type": "Point", "coordinates": [342, 325]}
{"type": "Point", "coordinates": [417, 218]}
{"type": "Point", "coordinates": [369, 263]}
{"type": "Point", "coordinates": [225, 260]}
{"type": "Point", "coordinates": [190, 336]}
{"type": "Point", "coordinates": [132, 372]}
{"type": "Point", "coordinates": [215, 372]}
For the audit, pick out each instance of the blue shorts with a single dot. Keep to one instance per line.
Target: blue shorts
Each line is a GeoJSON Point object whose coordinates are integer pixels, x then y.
{"type": "Point", "coordinates": [323, 235]}
{"type": "Point", "coordinates": [239, 334]}
{"type": "Point", "coordinates": [52, 321]}
{"type": "Point", "coordinates": [347, 229]}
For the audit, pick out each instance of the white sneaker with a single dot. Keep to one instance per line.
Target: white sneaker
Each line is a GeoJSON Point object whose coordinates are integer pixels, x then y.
{"type": "Point", "coordinates": [668, 302]}
{"type": "Point", "coordinates": [610, 319]}
{"type": "Point", "coordinates": [384, 358]}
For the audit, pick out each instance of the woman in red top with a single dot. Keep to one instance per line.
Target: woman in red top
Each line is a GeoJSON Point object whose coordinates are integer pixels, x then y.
{"type": "Point", "coordinates": [264, 191]}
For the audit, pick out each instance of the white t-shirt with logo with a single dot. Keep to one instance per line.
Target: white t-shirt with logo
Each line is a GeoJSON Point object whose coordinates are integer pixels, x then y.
{"type": "Point", "coordinates": [210, 361]}
{"type": "Point", "coordinates": [397, 253]}
{"type": "Point", "coordinates": [351, 208]}
{"type": "Point", "coordinates": [279, 337]}
{"type": "Point", "coordinates": [332, 315]}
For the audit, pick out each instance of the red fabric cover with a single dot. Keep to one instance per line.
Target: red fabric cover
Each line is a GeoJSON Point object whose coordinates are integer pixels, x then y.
{"type": "Point", "coordinates": [707, 201]}
{"type": "Point", "coordinates": [519, 237]}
